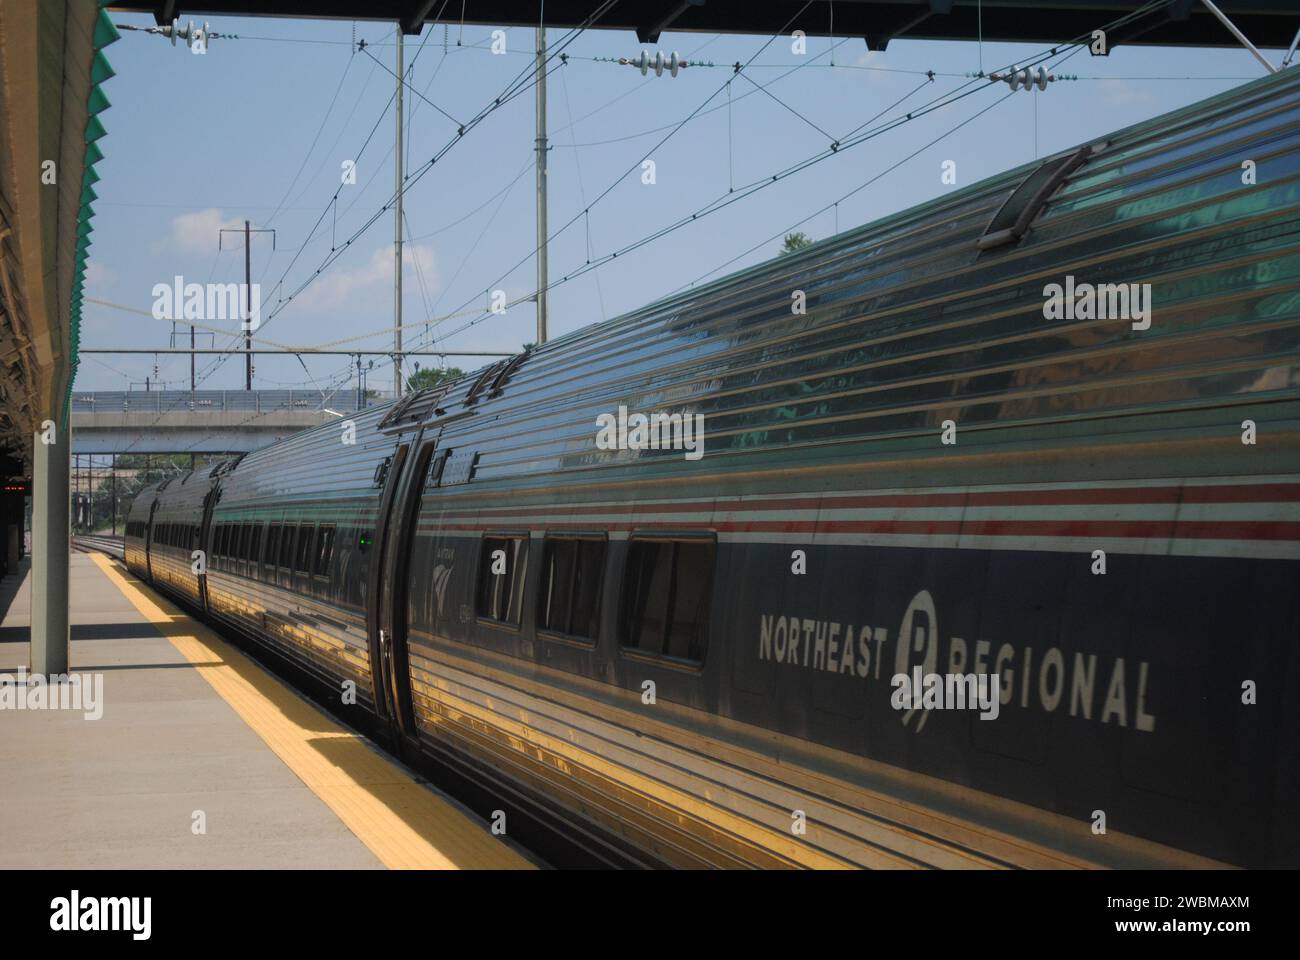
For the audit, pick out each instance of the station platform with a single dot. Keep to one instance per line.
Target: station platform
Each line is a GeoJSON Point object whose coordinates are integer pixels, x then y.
{"type": "Point", "coordinates": [200, 757]}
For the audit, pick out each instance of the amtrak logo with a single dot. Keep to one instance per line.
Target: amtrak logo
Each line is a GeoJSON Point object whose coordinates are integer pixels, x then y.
{"type": "Point", "coordinates": [923, 637]}
{"type": "Point", "coordinates": [441, 575]}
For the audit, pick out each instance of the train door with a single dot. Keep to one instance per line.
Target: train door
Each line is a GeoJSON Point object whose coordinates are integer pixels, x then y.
{"type": "Point", "coordinates": [148, 541]}
{"type": "Point", "coordinates": [394, 587]}
{"type": "Point", "coordinates": [204, 534]}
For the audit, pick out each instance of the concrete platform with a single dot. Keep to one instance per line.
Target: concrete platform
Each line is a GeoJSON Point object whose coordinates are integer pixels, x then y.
{"type": "Point", "coordinates": [191, 726]}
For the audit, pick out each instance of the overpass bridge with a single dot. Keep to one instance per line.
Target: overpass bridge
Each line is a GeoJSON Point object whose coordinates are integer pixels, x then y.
{"type": "Point", "coordinates": [201, 421]}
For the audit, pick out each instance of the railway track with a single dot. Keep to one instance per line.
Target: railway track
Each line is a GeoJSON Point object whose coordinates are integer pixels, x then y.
{"type": "Point", "coordinates": [109, 545]}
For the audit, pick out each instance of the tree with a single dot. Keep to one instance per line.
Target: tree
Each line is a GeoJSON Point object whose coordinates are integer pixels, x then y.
{"type": "Point", "coordinates": [432, 376]}
{"type": "Point", "coordinates": [795, 241]}
{"type": "Point", "coordinates": [134, 473]}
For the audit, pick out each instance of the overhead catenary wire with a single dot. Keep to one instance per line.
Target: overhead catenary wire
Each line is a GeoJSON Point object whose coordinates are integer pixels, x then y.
{"type": "Point", "coordinates": [835, 204]}
{"type": "Point", "coordinates": [971, 86]}
{"type": "Point", "coordinates": [614, 183]}
{"type": "Point", "coordinates": [332, 206]}
{"type": "Point", "coordinates": [521, 84]}
{"type": "Point", "coordinates": [281, 347]}
{"type": "Point", "coordinates": [585, 215]}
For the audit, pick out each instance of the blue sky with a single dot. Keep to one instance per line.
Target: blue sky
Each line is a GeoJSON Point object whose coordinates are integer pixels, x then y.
{"type": "Point", "coordinates": [259, 127]}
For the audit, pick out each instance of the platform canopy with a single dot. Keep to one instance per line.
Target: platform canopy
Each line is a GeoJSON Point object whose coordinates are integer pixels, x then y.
{"type": "Point", "coordinates": [1268, 23]}
{"type": "Point", "coordinates": [51, 68]}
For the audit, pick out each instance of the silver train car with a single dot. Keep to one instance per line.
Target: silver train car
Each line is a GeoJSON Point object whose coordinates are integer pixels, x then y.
{"type": "Point", "coordinates": [1045, 429]}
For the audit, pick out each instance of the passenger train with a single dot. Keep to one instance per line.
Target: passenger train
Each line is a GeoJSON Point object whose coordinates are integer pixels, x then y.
{"type": "Point", "coordinates": [913, 464]}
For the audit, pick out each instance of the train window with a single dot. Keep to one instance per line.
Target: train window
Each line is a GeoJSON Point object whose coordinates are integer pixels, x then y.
{"type": "Point", "coordinates": [245, 532]}
{"type": "Point", "coordinates": [306, 533]}
{"type": "Point", "coordinates": [324, 550]}
{"type": "Point", "coordinates": [666, 595]}
{"type": "Point", "coordinates": [255, 548]}
{"type": "Point", "coordinates": [286, 546]}
{"type": "Point", "coordinates": [503, 560]}
{"type": "Point", "coordinates": [569, 601]}
{"type": "Point", "coordinates": [272, 544]}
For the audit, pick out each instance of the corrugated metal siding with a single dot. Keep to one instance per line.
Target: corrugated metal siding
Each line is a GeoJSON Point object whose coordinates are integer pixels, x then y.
{"type": "Point", "coordinates": [908, 324]}
{"type": "Point", "coordinates": [310, 464]}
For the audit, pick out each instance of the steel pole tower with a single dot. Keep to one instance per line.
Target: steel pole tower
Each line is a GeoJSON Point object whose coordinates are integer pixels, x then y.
{"type": "Point", "coordinates": [542, 271]}
{"type": "Point", "coordinates": [397, 233]}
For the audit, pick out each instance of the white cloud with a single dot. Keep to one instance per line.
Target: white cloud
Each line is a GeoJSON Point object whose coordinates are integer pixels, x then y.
{"type": "Point", "coordinates": [98, 276]}
{"type": "Point", "coordinates": [335, 285]}
{"type": "Point", "coordinates": [197, 232]}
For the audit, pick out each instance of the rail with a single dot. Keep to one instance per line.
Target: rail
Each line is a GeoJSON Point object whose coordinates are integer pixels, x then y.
{"type": "Point", "coordinates": [113, 546]}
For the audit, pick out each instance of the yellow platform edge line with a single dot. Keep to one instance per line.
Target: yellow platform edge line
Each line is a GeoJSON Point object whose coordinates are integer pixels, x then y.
{"type": "Point", "coordinates": [362, 787]}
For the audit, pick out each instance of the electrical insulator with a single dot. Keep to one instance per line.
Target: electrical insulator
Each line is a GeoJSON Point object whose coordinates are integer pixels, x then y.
{"type": "Point", "coordinates": [191, 34]}
{"type": "Point", "coordinates": [1023, 79]}
{"type": "Point", "coordinates": [658, 63]}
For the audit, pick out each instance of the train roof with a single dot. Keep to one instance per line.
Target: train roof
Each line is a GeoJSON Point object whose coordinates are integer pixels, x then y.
{"type": "Point", "coordinates": [939, 312]}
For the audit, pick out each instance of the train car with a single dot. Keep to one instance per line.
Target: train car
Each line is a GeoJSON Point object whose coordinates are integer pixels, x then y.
{"type": "Point", "coordinates": [291, 537]}
{"type": "Point", "coordinates": [177, 532]}
{"type": "Point", "coordinates": [661, 576]}
{"type": "Point", "coordinates": [136, 536]}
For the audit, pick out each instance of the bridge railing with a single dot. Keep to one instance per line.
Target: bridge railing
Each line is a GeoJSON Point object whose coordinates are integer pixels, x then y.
{"type": "Point", "coordinates": [216, 401]}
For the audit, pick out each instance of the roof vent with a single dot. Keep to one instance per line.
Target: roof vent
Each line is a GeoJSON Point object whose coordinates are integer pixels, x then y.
{"type": "Point", "coordinates": [1026, 202]}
